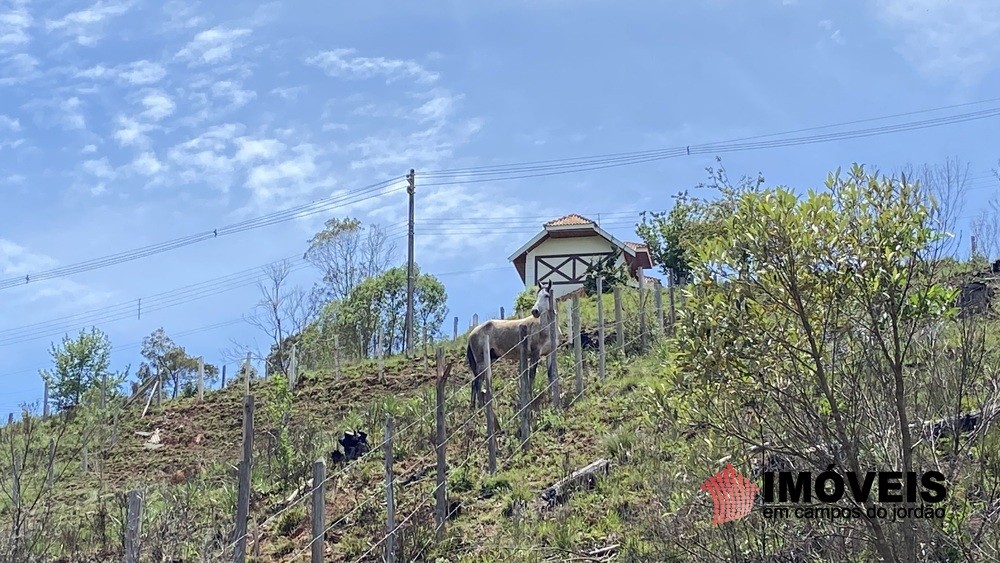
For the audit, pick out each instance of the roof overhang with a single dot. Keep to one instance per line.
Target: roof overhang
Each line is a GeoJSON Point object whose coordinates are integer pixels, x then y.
{"type": "Point", "coordinates": [570, 231]}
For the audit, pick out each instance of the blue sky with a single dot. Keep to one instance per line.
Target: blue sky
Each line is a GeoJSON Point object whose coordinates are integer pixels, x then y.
{"type": "Point", "coordinates": [126, 123]}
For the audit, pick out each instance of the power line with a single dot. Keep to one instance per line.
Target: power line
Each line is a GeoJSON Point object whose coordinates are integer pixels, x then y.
{"type": "Point", "coordinates": [129, 309]}
{"type": "Point", "coordinates": [296, 212]}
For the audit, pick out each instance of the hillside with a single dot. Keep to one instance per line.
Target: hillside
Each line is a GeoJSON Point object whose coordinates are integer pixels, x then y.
{"type": "Point", "coordinates": [189, 480]}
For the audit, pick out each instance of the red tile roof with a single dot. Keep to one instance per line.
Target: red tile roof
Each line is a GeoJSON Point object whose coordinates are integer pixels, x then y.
{"type": "Point", "coordinates": [636, 245]}
{"type": "Point", "coordinates": [571, 219]}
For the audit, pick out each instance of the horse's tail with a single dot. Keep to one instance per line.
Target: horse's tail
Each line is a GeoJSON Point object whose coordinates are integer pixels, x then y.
{"type": "Point", "coordinates": [472, 358]}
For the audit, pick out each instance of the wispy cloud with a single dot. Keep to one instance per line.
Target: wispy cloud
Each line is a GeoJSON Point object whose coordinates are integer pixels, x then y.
{"type": "Point", "coordinates": [17, 69]}
{"type": "Point", "coordinates": [213, 45]}
{"type": "Point", "coordinates": [946, 39]}
{"type": "Point", "coordinates": [16, 260]}
{"type": "Point", "coordinates": [85, 26]}
{"type": "Point", "coordinates": [158, 105]}
{"type": "Point", "coordinates": [14, 25]}
{"type": "Point", "coordinates": [72, 114]}
{"type": "Point", "coordinates": [9, 124]}
{"type": "Point", "coordinates": [835, 34]}
{"type": "Point", "coordinates": [345, 63]}
{"type": "Point", "coordinates": [136, 73]}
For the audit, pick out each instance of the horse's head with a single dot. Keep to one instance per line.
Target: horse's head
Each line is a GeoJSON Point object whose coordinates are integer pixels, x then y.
{"type": "Point", "coordinates": [542, 300]}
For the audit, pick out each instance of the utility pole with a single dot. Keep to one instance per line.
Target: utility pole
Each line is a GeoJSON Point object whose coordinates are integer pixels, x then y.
{"type": "Point", "coordinates": [410, 188]}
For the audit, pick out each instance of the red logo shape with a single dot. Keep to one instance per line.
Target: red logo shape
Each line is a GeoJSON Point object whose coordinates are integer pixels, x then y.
{"type": "Point", "coordinates": [732, 495]}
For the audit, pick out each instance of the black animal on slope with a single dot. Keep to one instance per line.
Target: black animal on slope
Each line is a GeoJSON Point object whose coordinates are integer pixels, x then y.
{"type": "Point", "coordinates": [355, 444]}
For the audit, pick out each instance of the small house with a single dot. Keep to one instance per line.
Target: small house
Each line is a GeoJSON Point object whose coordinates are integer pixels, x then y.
{"type": "Point", "coordinates": [567, 246]}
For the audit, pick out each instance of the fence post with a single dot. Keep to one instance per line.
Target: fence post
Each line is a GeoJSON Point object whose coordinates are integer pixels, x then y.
{"type": "Point", "coordinates": [553, 356]}
{"type": "Point", "coordinates": [378, 352]}
{"type": "Point", "coordinates": [577, 344]}
{"type": "Point", "coordinates": [336, 355]}
{"type": "Point", "coordinates": [490, 415]}
{"type": "Point", "coordinates": [243, 492]}
{"type": "Point", "coordinates": [440, 446]}
{"type": "Point", "coordinates": [524, 387]}
{"type": "Point", "coordinates": [201, 378]}
{"type": "Point", "coordinates": [455, 330]}
{"type": "Point", "coordinates": [133, 526]}
{"type": "Point", "coordinates": [425, 346]}
{"type": "Point", "coordinates": [223, 376]}
{"type": "Point", "coordinates": [246, 377]}
{"type": "Point", "coordinates": [293, 369]}
{"type": "Point", "coordinates": [318, 509]}
{"type": "Point", "coordinates": [670, 296]}
{"type": "Point", "coordinates": [502, 317]}
{"type": "Point", "coordinates": [619, 326]}
{"type": "Point", "coordinates": [658, 301]}
{"type": "Point", "coordinates": [600, 329]}
{"type": "Point", "coordinates": [104, 390]}
{"type": "Point", "coordinates": [45, 401]}
{"type": "Point", "coordinates": [642, 312]}
{"type": "Point", "coordinates": [475, 319]}
{"type": "Point", "coordinates": [390, 505]}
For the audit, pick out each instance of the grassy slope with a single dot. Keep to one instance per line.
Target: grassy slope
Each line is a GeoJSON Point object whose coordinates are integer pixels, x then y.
{"type": "Point", "coordinates": [189, 520]}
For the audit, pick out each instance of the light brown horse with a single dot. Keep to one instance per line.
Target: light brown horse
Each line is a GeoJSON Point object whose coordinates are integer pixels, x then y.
{"type": "Point", "coordinates": [505, 338]}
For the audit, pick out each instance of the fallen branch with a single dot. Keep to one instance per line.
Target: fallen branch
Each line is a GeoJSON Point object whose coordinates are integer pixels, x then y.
{"type": "Point", "coordinates": [585, 478]}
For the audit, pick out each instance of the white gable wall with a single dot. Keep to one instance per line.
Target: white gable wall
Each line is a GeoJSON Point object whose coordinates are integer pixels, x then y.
{"type": "Point", "coordinates": [563, 246]}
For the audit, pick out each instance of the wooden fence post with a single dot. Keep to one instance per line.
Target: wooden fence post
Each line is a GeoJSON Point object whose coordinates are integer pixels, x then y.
{"type": "Point", "coordinates": [619, 326]}
{"type": "Point", "coordinates": [104, 391]}
{"type": "Point", "coordinates": [378, 352]}
{"type": "Point", "coordinates": [525, 386]}
{"type": "Point", "coordinates": [502, 317]}
{"type": "Point", "coordinates": [318, 510]}
{"type": "Point", "coordinates": [490, 416]}
{"type": "Point", "coordinates": [201, 378]}
{"type": "Point", "coordinates": [390, 505]}
{"type": "Point", "coordinates": [45, 401]}
{"type": "Point", "coordinates": [159, 387]}
{"type": "Point", "coordinates": [670, 295]}
{"type": "Point", "coordinates": [475, 320]}
{"type": "Point", "coordinates": [223, 376]}
{"type": "Point", "coordinates": [577, 344]}
{"type": "Point", "coordinates": [133, 526]}
{"type": "Point", "coordinates": [293, 368]}
{"type": "Point", "coordinates": [553, 356]}
{"type": "Point", "coordinates": [243, 492]}
{"type": "Point", "coordinates": [246, 377]}
{"type": "Point", "coordinates": [658, 302]}
{"type": "Point", "coordinates": [600, 329]}
{"type": "Point", "coordinates": [336, 355]}
{"type": "Point", "coordinates": [455, 330]}
{"type": "Point", "coordinates": [440, 446]}
{"type": "Point", "coordinates": [425, 346]}
{"type": "Point", "coordinates": [642, 312]}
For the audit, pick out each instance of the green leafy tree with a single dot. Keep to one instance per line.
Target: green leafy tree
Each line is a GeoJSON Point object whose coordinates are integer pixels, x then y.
{"type": "Point", "coordinates": [172, 363]}
{"type": "Point", "coordinates": [805, 328]}
{"type": "Point", "coordinates": [377, 306]}
{"type": "Point", "coordinates": [78, 365]}
{"type": "Point", "coordinates": [610, 268]}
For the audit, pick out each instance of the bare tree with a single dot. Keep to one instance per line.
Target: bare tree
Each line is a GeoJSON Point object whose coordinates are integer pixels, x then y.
{"type": "Point", "coordinates": [347, 253]}
{"type": "Point", "coordinates": [282, 312]}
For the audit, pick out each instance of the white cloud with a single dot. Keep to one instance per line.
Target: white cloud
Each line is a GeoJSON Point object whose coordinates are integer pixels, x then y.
{"type": "Point", "coordinates": [236, 95]}
{"type": "Point", "coordinates": [16, 260]}
{"type": "Point", "coordinates": [147, 164]}
{"type": "Point", "coordinates": [258, 149]}
{"type": "Point", "coordinates": [205, 158]}
{"type": "Point", "coordinates": [835, 34]}
{"type": "Point", "coordinates": [132, 132]}
{"type": "Point", "coordinates": [9, 124]}
{"type": "Point", "coordinates": [14, 25]}
{"type": "Point", "coordinates": [85, 25]}
{"type": "Point", "coordinates": [288, 93]}
{"type": "Point", "coordinates": [89, 149]}
{"type": "Point", "coordinates": [72, 116]}
{"type": "Point", "coordinates": [158, 105]}
{"type": "Point", "coordinates": [17, 69]}
{"type": "Point", "coordinates": [213, 45]}
{"type": "Point", "coordinates": [182, 16]}
{"type": "Point", "coordinates": [100, 169]}
{"type": "Point", "coordinates": [946, 39]}
{"type": "Point", "coordinates": [343, 63]}
{"type": "Point", "coordinates": [137, 73]}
